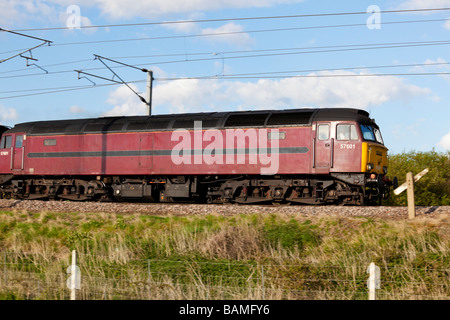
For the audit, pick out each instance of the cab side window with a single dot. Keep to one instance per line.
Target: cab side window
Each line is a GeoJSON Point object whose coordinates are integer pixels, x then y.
{"type": "Point", "coordinates": [323, 131]}
{"type": "Point", "coordinates": [19, 141]}
{"type": "Point", "coordinates": [6, 142]}
{"type": "Point", "coordinates": [346, 132]}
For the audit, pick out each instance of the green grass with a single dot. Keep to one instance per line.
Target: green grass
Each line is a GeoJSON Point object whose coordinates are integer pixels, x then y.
{"type": "Point", "coordinates": [246, 256]}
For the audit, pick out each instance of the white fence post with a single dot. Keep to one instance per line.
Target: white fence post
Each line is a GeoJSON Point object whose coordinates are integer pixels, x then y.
{"type": "Point", "coordinates": [262, 283]}
{"type": "Point", "coordinates": [149, 277]}
{"type": "Point", "coordinates": [74, 281]}
{"type": "Point", "coordinates": [374, 281]}
{"type": "Point", "coordinates": [5, 269]}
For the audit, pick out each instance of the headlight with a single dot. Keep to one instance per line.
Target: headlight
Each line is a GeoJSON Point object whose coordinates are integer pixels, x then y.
{"type": "Point", "coordinates": [369, 166]}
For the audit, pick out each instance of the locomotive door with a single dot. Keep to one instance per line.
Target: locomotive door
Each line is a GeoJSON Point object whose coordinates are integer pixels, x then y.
{"type": "Point", "coordinates": [146, 152]}
{"type": "Point", "coordinates": [18, 153]}
{"type": "Point", "coordinates": [6, 153]}
{"type": "Point", "coordinates": [323, 148]}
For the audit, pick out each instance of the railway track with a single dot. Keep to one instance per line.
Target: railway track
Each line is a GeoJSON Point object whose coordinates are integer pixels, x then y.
{"type": "Point", "coordinates": [226, 210]}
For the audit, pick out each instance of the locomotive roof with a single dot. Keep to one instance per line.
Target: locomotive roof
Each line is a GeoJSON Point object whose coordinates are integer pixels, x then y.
{"type": "Point", "coordinates": [219, 120]}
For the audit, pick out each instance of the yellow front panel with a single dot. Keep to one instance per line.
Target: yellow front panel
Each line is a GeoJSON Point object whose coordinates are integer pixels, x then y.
{"type": "Point", "coordinates": [364, 156]}
{"type": "Point", "coordinates": [375, 154]}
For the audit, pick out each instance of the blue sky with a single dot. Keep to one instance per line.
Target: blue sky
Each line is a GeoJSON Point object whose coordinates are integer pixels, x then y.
{"type": "Point", "coordinates": [220, 63]}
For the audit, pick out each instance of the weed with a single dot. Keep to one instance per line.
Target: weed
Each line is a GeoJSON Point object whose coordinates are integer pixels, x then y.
{"type": "Point", "coordinates": [291, 235]}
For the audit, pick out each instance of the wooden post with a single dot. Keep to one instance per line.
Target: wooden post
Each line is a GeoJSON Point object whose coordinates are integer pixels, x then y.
{"type": "Point", "coordinates": [410, 192]}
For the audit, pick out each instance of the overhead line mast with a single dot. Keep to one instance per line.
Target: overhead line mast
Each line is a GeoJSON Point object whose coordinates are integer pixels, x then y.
{"type": "Point", "coordinates": [150, 79]}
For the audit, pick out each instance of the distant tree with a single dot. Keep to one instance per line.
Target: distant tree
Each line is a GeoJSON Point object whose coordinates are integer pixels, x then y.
{"type": "Point", "coordinates": [433, 189]}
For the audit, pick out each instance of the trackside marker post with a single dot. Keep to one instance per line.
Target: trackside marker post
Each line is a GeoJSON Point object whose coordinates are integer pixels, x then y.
{"type": "Point", "coordinates": [409, 186]}
{"type": "Point", "coordinates": [417, 177]}
{"type": "Point", "coordinates": [410, 192]}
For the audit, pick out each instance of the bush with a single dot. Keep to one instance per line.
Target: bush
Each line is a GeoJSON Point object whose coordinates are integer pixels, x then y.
{"type": "Point", "coordinates": [433, 189]}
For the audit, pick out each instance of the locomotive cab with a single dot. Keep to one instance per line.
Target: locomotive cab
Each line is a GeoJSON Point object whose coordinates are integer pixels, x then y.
{"type": "Point", "coordinates": [12, 153]}
{"type": "Point", "coordinates": [374, 153]}
{"type": "Point", "coordinates": [374, 161]}
{"type": "Point", "coordinates": [348, 145]}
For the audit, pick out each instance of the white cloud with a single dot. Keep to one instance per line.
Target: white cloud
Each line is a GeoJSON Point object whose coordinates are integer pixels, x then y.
{"type": "Point", "coordinates": [7, 114]}
{"type": "Point", "coordinates": [358, 92]}
{"type": "Point", "coordinates": [144, 8]}
{"type": "Point", "coordinates": [125, 102]}
{"type": "Point", "coordinates": [13, 11]}
{"type": "Point", "coordinates": [185, 27]}
{"type": "Point", "coordinates": [8, 12]}
{"type": "Point", "coordinates": [447, 24]}
{"type": "Point", "coordinates": [439, 65]}
{"type": "Point", "coordinates": [193, 95]}
{"type": "Point", "coordinates": [77, 109]}
{"type": "Point", "coordinates": [445, 142]}
{"type": "Point", "coordinates": [231, 33]}
{"type": "Point", "coordinates": [424, 4]}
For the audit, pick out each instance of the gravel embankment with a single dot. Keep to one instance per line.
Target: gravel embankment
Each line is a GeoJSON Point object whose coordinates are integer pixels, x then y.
{"type": "Point", "coordinates": [199, 209]}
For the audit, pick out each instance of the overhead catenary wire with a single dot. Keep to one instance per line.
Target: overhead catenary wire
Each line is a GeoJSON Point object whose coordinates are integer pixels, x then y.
{"type": "Point", "coordinates": [69, 89]}
{"type": "Point", "coordinates": [290, 52]}
{"type": "Point", "coordinates": [240, 77]}
{"type": "Point", "coordinates": [241, 19]}
{"type": "Point", "coordinates": [309, 76]}
{"type": "Point", "coordinates": [263, 53]}
{"type": "Point", "coordinates": [331, 47]}
{"type": "Point", "coordinates": [213, 34]}
{"type": "Point", "coordinates": [256, 74]}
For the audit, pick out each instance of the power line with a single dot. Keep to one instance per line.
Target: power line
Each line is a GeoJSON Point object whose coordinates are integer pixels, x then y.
{"type": "Point", "coordinates": [25, 35]}
{"type": "Point", "coordinates": [252, 74]}
{"type": "Point", "coordinates": [302, 52]}
{"type": "Point", "coordinates": [338, 69]}
{"type": "Point", "coordinates": [368, 45]}
{"type": "Point", "coordinates": [291, 52]}
{"type": "Point", "coordinates": [229, 77]}
{"type": "Point", "coordinates": [241, 32]}
{"type": "Point", "coordinates": [68, 89]}
{"type": "Point", "coordinates": [307, 76]}
{"type": "Point", "coordinates": [239, 19]}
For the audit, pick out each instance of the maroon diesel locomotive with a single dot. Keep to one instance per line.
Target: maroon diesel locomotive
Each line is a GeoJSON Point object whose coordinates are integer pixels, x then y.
{"type": "Point", "coordinates": [306, 156]}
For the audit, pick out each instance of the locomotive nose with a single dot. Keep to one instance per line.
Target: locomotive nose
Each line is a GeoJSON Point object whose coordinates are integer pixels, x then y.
{"type": "Point", "coordinates": [374, 158]}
